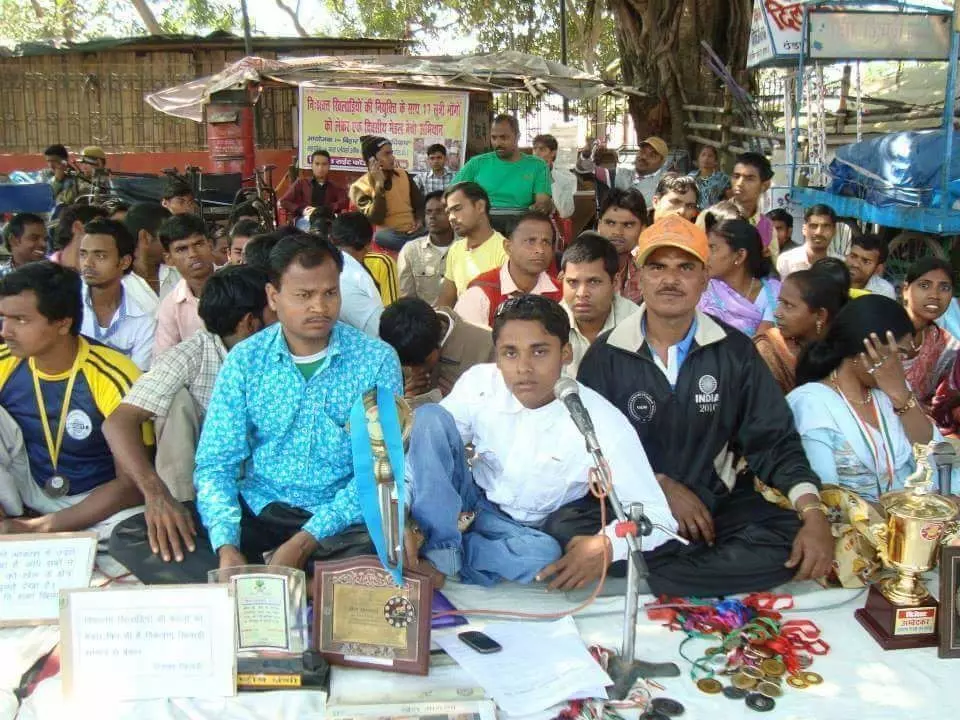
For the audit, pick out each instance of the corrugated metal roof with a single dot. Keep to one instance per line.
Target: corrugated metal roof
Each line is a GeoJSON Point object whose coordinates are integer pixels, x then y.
{"type": "Point", "coordinates": [493, 72]}
{"type": "Point", "coordinates": [215, 40]}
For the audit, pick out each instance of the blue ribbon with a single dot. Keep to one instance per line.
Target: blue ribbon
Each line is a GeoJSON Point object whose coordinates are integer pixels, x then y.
{"type": "Point", "coordinates": [363, 463]}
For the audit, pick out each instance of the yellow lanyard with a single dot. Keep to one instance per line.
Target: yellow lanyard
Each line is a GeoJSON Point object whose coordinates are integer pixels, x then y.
{"type": "Point", "coordinates": [54, 449]}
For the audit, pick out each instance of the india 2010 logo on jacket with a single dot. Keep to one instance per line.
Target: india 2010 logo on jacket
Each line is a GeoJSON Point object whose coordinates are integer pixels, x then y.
{"type": "Point", "coordinates": [708, 399]}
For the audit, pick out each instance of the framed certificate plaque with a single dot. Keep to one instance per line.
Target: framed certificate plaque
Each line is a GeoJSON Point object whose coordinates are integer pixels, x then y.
{"type": "Point", "coordinates": [362, 618]}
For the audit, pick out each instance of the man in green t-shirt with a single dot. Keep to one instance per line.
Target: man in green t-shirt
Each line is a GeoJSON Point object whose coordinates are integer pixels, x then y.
{"type": "Point", "coordinates": [515, 181]}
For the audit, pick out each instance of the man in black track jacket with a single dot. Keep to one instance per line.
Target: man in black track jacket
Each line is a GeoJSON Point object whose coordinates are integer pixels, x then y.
{"type": "Point", "coordinates": [703, 402]}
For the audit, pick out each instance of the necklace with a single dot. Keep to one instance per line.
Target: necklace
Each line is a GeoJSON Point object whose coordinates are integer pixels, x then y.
{"type": "Point", "coordinates": [867, 396]}
{"type": "Point", "coordinates": [915, 346]}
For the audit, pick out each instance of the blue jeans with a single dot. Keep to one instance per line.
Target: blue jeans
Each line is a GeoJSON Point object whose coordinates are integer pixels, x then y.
{"type": "Point", "coordinates": [495, 547]}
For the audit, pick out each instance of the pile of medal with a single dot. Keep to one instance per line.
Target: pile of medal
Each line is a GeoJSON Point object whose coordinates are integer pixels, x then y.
{"type": "Point", "coordinates": [758, 678]}
{"type": "Point", "coordinates": [757, 652]}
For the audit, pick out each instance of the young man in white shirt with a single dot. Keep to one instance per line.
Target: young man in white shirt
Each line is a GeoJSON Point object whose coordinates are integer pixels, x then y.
{"type": "Point", "coordinates": [498, 521]}
{"type": "Point", "coordinates": [151, 280]}
{"type": "Point", "coordinates": [819, 225]}
{"type": "Point", "coordinates": [867, 255]}
{"type": "Point", "coordinates": [362, 304]}
{"type": "Point", "coordinates": [564, 184]}
{"type": "Point", "coordinates": [110, 314]}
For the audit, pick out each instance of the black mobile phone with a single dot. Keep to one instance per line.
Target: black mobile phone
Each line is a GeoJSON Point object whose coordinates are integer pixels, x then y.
{"type": "Point", "coordinates": [480, 642]}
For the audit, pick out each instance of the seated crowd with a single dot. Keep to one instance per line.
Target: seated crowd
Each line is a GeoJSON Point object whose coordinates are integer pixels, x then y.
{"type": "Point", "coordinates": [194, 408]}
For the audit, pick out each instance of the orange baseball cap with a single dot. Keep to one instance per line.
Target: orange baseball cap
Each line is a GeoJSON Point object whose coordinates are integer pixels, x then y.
{"type": "Point", "coordinates": [673, 231]}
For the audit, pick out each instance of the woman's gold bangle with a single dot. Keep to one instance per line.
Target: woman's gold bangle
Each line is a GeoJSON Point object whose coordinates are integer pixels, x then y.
{"type": "Point", "coordinates": [907, 407]}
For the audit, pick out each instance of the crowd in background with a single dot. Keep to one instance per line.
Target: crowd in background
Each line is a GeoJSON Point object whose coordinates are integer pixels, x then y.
{"type": "Point", "coordinates": [166, 377]}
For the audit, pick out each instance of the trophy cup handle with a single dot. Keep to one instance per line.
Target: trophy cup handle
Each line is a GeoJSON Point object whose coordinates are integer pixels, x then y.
{"type": "Point", "coordinates": [951, 533]}
{"type": "Point", "coordinates": [876, 534]}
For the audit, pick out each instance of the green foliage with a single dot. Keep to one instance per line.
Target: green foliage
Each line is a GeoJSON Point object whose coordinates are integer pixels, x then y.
{"type": "Point", "coordinates": [46, 20]}
{"type": "Point", "coordinates": [198, 16]}
{"type": "Point", "coordinates": [77, 20]}
{"type": "Point", "coordinates": [529, 27]}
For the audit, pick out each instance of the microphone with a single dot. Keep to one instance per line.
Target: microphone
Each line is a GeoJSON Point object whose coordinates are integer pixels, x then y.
{"type": "Point", "coordinates": [568, 392]}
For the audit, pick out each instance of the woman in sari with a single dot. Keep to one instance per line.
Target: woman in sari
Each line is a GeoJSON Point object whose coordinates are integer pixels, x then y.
{"type": "Point", "coordinates": [712, 183]}
{"type": "Point", "coordinates": [857, 417]}
{"type": "Point", "coordinates": [739, 293]}
{"type": "Point", "coordinates": [808, 303]}
{"type": "Point", "coordinates": [931, 350]}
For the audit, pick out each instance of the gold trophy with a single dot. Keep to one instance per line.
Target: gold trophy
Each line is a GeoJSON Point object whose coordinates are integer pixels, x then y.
{"type": "Point", "coordinates": [900, 612]}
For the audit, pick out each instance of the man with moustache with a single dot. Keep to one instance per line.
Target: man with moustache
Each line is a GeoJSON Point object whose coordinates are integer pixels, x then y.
{"type": "Point", "coordinates": [185, 247]}
{"type": "Point", "coordinates": [421, 262]}
{"type": "Point", "coordinates": [712, 419]}
{"type": "Point", "coordinates": [529, 252]}
{"type": "Point", "coordinates": [387, 195]}
{"type": "Point", "coordinates": [516, 182]}
{"type": "Point", "coordinates": [274, 468]}
{"type": "Point", "coordinates": [480, 247]}
{"type": "Point", "coordinates": [819, 227]}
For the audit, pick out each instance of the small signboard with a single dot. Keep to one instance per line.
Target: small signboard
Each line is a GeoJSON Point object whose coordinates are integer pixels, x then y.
{"type": "Point", "coordinates": [775, 33]}
{"type": "Point", "coordinates": [139, 643]}
{"type": "Point", "coordinates": [877, 32]}
{"type": "Point", "coordinates": [878, 36]}
{"type": "Point", "coordinates": [35, 568]}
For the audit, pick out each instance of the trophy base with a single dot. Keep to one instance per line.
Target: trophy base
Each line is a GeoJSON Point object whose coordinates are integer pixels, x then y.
{"type": "Point", "coordinates": [899, 627]}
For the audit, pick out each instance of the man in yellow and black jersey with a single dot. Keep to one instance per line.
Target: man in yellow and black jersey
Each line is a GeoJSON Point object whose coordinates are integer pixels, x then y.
{"type": "Point", "coordinates": [56, 388]}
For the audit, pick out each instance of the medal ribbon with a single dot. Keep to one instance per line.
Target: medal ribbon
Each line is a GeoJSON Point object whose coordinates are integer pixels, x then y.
{"type": "Point", "coordinates": [363, 472]}
{"type": "Point", "coordinates": [54, 447]}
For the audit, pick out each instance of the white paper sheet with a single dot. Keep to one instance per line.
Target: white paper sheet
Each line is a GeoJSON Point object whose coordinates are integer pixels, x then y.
{"type": "Point", "coordinates": [541, 664]}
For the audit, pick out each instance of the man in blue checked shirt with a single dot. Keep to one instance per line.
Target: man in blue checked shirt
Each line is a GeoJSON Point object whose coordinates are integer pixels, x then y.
{"type": "Point", "coordinates": [274, 467]}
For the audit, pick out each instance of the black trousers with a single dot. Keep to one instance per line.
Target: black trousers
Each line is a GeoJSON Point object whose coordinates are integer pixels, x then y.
{"type": "Point", "coordinates": [261, 533]}
{"type": "Point", "coordinates": [753, 541]}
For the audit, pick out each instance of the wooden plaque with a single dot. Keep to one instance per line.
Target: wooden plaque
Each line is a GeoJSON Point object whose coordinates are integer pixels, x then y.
{"type": "Point", "coordinates": [361, 618]}
{"type": "Point", "coordinates": [949, 602]}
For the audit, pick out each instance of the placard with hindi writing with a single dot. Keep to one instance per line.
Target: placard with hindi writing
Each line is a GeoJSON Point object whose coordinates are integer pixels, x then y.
{"type": "Point", "coordinates": [35, 568]}
{"type": "Point", "coordinates": [138, 643]}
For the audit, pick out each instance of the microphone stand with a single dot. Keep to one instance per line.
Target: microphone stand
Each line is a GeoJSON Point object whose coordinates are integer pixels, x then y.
{"type": "Point", "coordinates": [624, 669]}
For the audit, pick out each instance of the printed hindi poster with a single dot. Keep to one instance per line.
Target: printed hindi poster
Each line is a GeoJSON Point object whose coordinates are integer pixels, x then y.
{"type": "Point", "coordinates": [139, 643]}
{"type": "Point", "coordinates": [333, 119]}
{"type": "Point", "coordinates": [35, 568]}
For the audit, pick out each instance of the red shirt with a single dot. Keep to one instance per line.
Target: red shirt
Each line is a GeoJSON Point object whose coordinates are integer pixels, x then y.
{"type": "Point", "coordinates": [301, 195]}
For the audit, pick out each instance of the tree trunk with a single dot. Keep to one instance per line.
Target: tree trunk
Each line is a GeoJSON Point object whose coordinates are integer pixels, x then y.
{"type": "Point", "coordinates": [146, 14]}
{"type": "Point", "coordinates": [659, 43]}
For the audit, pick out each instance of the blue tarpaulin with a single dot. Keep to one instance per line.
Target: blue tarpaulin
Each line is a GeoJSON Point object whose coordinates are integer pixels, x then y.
{"type": "Point", "coordinates": [893, 181]}
{"type": "Point", "coordinates": [896, 169]}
